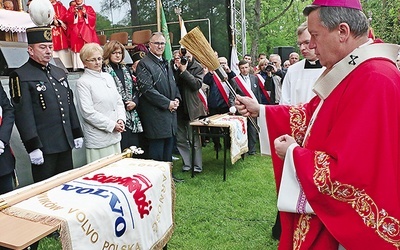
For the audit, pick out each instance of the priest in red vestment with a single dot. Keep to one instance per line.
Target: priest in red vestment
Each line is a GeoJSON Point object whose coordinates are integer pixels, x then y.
{"type": "Point", "coordinates": [59, 33]}
{"type": "Point", "coordinates": [81, 23]}
{"type": "Point", "coordinates": [337, 158]}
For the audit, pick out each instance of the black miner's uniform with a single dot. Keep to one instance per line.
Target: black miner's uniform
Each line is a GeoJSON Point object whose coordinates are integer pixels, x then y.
{"type": "Point", "coordinates": [45, 115]}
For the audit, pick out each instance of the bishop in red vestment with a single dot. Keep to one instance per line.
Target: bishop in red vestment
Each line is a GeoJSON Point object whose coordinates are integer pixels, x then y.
{"type": "Point", "coordinates": [337, 158]}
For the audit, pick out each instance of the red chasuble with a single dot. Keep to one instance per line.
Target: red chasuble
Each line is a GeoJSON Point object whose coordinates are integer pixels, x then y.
{"type": "Point", "coordinates": [349, 165]}
{"type": "Point", "coordinates": [60, 39]}
{"type": "Point", "coordinates": [81, 27]}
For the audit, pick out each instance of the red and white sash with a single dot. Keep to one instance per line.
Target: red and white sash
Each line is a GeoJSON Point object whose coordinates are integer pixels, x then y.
{"type": "Point", "coordinates": [222, 87]}
{"type": "Point", "coordinates": [261, 83]}
{"type": "Point", "coordinates": [243, 87]}
{"type": "Point", "coordinates": [203, 99]}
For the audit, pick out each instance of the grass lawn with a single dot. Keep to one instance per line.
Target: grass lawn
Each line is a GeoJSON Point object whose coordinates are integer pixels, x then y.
{"type": "Point", "coordinates": [212, 214]}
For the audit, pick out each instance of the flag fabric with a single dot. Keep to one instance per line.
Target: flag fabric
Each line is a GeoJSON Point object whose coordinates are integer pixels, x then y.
{"type": "Point", "coordinates": [164, 30]}
{"type": "Point", "coordinates": [182, 26]}
{"type": "Point", "coordinates": [234, 60]}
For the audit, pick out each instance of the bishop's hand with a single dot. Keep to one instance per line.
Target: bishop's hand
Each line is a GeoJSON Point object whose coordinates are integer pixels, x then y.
{"type": "Point", "coordinates": [247, 106]}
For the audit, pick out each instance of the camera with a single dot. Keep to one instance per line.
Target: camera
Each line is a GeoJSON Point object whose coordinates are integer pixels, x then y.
{"type": "Point", "coordinates": [184, 59]}
{"type": "Point", "coordinates": [269, 67]}
{"type": "Point", "coordinates": [79, 7]}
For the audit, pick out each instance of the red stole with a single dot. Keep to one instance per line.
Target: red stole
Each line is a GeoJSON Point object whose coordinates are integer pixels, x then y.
{"type": "Point", "coordinates": [221, 88]}
{"type": "Point", "coordinates": [261, 84]}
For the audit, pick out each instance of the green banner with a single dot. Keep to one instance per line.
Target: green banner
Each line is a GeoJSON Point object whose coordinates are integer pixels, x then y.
{"type": "Point", "coordinates": [164, 30]}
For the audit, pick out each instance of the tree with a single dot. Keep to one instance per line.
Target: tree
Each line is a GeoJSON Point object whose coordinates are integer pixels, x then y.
{"type": "Point", "coordinates": [102, 22]}
{"type": "Point", "coordinates": [215, 10]}
{"type": "Point", "coordinates": [270, 23]}
{"type": "Point", "coordinates": [384, 17]}
{"type": "Point", "coordinates": [131, 7]}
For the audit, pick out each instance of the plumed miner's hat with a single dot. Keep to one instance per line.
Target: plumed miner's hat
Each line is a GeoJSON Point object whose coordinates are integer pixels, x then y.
{"type": "Point", "coordinates": [41, 13]}
{"type": "Point", "coordinates": [352, 4]}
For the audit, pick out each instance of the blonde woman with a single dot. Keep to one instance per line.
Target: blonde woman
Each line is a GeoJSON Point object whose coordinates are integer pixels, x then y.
{"type": "Point", "coordinates": [100, 105]}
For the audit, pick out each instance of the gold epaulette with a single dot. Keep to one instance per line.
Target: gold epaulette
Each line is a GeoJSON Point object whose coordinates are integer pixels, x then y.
{"type": "Point", "coordinates": [15, 87]}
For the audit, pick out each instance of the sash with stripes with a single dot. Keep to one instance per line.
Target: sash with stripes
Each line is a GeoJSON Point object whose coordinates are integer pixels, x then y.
{"type": "Point", "coordinates": [203, 99]}
{"type": "Point", "coordinates": [261, 83]}
{"type": "Point", "coordinates": [242, 85]}
{"type": "Point", "coordinates": [223, 89]}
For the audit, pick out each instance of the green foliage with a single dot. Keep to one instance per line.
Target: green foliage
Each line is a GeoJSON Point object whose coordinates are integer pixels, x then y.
{"type": "Point", "coordinates": [102, 22]}
{"type": "Point", "coordinates": [212, 214]}
{"type": "Point", "coordinates": [270, 25]}
{"type": "Point", "coordinates": [277, 27]}
{"type": "Point", "coordinates": [384, 19]}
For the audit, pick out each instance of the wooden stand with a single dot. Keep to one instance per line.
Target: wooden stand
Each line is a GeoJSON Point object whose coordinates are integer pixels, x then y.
{"type": "Point", "coordinates": [17, 233]}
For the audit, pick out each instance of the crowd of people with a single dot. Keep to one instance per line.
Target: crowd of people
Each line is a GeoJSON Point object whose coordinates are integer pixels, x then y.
{"type": "Point", "coordinates": [72, 27]}
{"type": "Point", "coordinates": [325, 131]}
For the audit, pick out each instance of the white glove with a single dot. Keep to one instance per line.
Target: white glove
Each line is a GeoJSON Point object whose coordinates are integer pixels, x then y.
{"type": "Point", "coordinates": [36, 157]}
{"type": "Point", "coordinates": [78, 142]}
{"type": "Point", "coordinates": [1, 147]}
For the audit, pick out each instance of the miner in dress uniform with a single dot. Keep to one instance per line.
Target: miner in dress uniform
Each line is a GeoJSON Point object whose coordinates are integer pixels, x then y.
{"type": "Point", "coordinates": [45, 113]}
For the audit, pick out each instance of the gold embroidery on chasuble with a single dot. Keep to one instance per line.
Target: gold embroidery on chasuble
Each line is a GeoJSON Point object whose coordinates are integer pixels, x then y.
{"type": "Point", "coordinates": [387, 227]}
{"type": "Point", "coordinates": [298, 123]}
{"type": "Point", "coordinates": [302, 228]}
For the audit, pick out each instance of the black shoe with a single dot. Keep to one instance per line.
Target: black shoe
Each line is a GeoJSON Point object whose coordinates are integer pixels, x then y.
{"type": "Point", "coordinates": [177, 179]}
{"type": "Point", "coordinates": [276, 229]}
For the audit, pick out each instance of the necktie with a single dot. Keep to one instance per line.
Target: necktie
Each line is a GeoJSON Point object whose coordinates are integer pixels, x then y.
{"type": "Point", "coordinates": [247, 80]}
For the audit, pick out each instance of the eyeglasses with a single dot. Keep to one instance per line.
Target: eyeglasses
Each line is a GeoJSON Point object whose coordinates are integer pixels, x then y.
{"type": "Point", "coordinates": [158, 43]}
{"type": "Point", "coordinates": [94, 60]}
{"type": "Point", "coordinates": [305, 43]}
{"type": "Point", "coordinates": [117, 53]}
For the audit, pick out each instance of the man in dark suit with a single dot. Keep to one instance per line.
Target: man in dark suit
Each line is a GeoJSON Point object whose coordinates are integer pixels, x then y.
{"type": "Point", "coordinates": [159, 100]}
{"type": "Point", "coordinates": [247, 85]}
{"type": "Point", "coordinates": [45, 113]}
{"type": "Point", "coordinates": [7, 161]}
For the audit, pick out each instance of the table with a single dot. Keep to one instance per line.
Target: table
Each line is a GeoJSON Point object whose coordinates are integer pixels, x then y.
{"type": "Point", "coordinates": [17, 233]}
{"type": "Point", "coordinates": [228, 124]}
{"type": "Point", "coordinates": [124, 203]}
{"type": "Point", "coordinates": [13, 25]}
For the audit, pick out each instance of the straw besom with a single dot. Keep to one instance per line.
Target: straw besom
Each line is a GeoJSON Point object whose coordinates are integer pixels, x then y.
{"type": "Point", "coordinates": [195, 42]}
